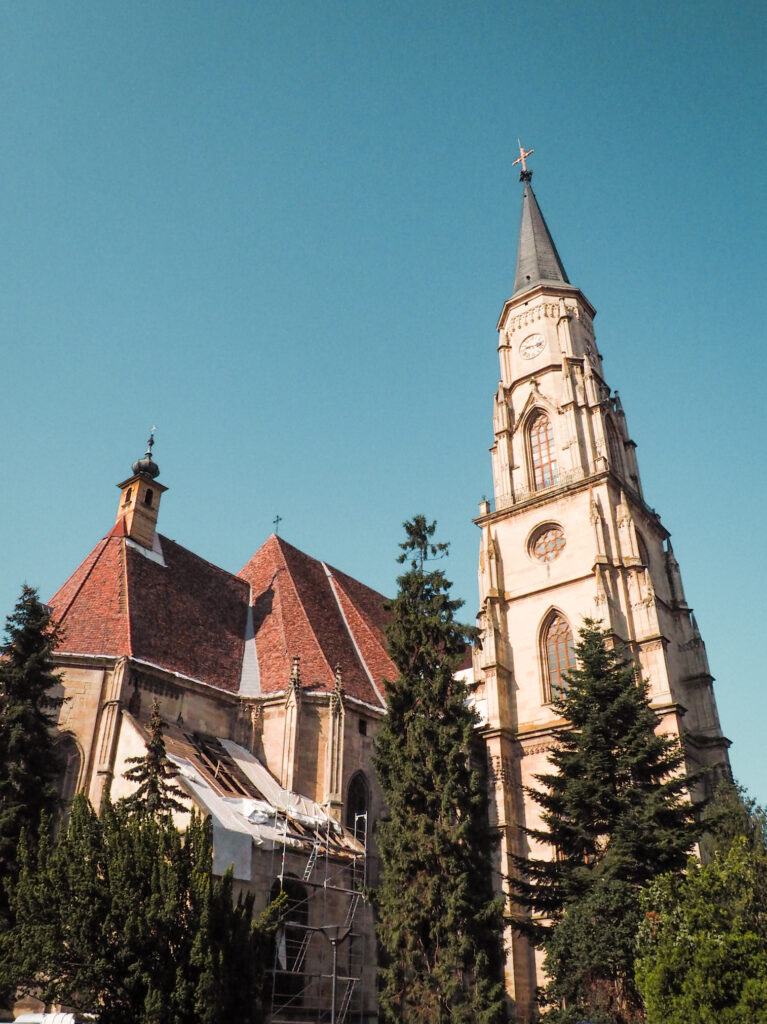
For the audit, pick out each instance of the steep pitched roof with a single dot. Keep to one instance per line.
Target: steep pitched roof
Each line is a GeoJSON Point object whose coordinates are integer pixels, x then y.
{"type": "Point", "coordinates": [303, 607]}
{"type": "Point", "coordinates": [92, 606]}
{"type": "Point", "coordinates": [172, 609]}
{"type": "Point", "coordinates": [538, 261]}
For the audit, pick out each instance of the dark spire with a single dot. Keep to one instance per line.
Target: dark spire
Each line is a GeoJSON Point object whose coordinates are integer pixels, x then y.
{"type": "Point", "coordinates": [147, 465]}
{"type": "Point", "coordinates": [538, 261]}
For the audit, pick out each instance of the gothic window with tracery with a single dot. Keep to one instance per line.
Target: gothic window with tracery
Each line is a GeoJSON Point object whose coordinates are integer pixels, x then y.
{"type": "Point", "coordinates": [542, 452]}
{"type": "Point", "coordinates": [559, 653]}
{"type": "Point", "coordinates": [548, 542]}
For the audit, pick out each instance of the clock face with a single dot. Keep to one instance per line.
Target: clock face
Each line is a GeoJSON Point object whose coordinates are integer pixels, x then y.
{"type": "Point", "coordinates": [531, 346]}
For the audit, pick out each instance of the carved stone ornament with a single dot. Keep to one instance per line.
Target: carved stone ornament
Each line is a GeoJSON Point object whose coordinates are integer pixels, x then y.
{"type": "Point", "coordinates": [530, 316]}
{"type": "Point", "coordinates": [500, 769]}
{"type": "Point", "coordinates": [538, 748]}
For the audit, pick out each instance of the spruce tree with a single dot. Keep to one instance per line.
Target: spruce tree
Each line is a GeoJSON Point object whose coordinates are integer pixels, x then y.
{"type": "Point", "coordinates": [154, 773]}
{"type": "Point", "coordinates": [28, 761]}
{"type": "Point", "coordinates": [616, 810]}
{"type": "Point", "coordinates": [439, 926]}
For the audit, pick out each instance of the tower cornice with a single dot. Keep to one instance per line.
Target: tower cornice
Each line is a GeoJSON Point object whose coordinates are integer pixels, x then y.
{"type": "Point", "coordinates": [577, 483]}
{"type": "Point", "coordinates": [543, 290]}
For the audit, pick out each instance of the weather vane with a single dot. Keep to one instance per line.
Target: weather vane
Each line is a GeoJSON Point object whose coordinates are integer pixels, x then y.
{"type": "Point", "coordinates": [524, 174]}
{"type": "Point", "coordinates": [150, 442]}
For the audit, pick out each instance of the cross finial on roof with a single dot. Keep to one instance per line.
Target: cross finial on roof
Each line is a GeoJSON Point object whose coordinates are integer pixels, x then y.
{"type": "Point", "coordinates": [150, 442]}
{"type": "Point", "coordinates": [276, 523]}
{"type": "Point", "coordinates": [524, 174]}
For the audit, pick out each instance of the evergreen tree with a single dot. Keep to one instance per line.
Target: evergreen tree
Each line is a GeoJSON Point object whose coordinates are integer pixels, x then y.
{"type": "Point", "coordinates": [28, 761]}
{"type": "Point", "coordinates": [731, 815]}
{"type": "Point", "coordinates": [703, 938]}
{"type": "Point", "coordinates": [156, 792]}
{"type": "Point", "coordinates": [439, 926]}
{"type": "Point", "coordinates": [615, 807]}
{"type": "Point", "coordinates": [123, 918]}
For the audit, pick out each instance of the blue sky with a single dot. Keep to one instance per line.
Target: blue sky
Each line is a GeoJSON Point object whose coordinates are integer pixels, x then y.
{"type": "Point", "coordinates": [283, 233]}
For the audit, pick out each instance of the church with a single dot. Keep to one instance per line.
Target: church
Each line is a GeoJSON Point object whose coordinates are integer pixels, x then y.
{"type": "Point", "coordinates": [271, 681]}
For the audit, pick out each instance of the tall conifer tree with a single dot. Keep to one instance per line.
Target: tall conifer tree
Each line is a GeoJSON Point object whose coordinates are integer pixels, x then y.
{"type": "Point", "coordinates": [616, 809]}
{"type": "Point", "coordinates": [439, 925]}
{"type": "Point", "coordinates": [28, 761]}
{"type": "Point", "coordinates": [154, 773]}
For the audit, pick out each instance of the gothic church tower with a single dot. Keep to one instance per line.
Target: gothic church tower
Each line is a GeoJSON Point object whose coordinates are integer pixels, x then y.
{"type": "Point", "coordinates": [570, 536]}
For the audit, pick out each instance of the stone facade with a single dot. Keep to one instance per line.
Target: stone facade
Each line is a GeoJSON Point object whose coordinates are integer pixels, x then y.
{"type": "Point", "coordinates": [270, 685]}
{"type": "Point", "coordinates": [569, 536]}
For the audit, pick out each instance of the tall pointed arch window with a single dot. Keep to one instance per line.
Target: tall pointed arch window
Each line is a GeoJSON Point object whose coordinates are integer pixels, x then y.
{"type": "Point", "coordinates": [357, 801]}
{"type": "Point", "coordinates": [543, 456]}
{"type": "Point", "coordinates": [558, 654]}
{"type": "Point", "coordinates": [70, 762]}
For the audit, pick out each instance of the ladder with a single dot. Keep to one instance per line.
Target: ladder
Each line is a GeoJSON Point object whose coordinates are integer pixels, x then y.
{"type": "Point", "coordinates": [346, 1001]}
{"type": "Point", "coordinates": [312, 860]}
{"type": "Point", "coordinates": [301, 954]}
{"type": "Point", "coordinates": [353, 904]}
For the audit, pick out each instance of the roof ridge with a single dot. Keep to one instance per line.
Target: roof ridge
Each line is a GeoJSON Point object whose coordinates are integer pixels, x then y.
{"type": "Point", "coordinates": [346, 575]}
{"type": "Point", "coordinates": [127, 597]}
{"type": "Point", "coordinates": [332, 583]}
{"type": "Point", "coordinates": [280, 541]}
{"type": "Point", "coordinates": [103, 544]}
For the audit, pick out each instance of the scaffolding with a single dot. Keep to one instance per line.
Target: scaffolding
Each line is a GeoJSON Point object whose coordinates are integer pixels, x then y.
{"type": "Point", "coordinates": [319, 950]}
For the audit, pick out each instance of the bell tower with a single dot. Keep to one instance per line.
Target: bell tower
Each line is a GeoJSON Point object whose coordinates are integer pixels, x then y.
{"type": "Point", "coordinates": [569, 536]}
{"type": "Point", "coordinates": [140, 499]}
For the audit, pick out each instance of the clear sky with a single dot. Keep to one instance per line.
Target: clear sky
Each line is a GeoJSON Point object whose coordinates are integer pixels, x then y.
{"type": "Point", "coordinates": [283, 233]}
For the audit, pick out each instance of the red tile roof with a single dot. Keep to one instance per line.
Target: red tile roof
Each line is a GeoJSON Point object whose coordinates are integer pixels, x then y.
{"type": "Point", "coordinates": [304, 607]}
{"type": "Point", "coordinates": [190, 617]}
{"type": "Point", "coordinates": [187, 616]}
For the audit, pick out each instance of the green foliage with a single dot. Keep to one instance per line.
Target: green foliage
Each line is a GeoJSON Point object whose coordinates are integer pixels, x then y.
{"type": "Point", "coordinates": [123, 918]}
{"type": "Point", "coordinates": [438, 923]}
{"type": "Point", "coordinates": [590, 958]}
{"type": "Point", "coordinates": [703, 938]}
{"type": "Point", "coordinates": [732, 814]}
{"type": "Point", "coordinates": [156, 793]}
{"type": "Point", "coordinates": [615, 807]}
{"type": "Point", "coordinates": [28, 762]}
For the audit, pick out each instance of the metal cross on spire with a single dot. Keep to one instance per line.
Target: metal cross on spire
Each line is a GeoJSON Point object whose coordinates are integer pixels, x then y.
{"type": "Point", "coordinates": [150, 442]}
{"type": "Point", "coordinates": [276, 522]}
{"type": "Point", "coordinates": [524, 174]}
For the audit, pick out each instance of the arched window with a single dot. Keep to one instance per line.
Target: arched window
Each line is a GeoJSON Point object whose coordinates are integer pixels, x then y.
{"type": "Point", "coordinates": [357, 800]}
{"type": "Point", "coordinates": [290, 943]}
{"type": "Point", "coordinates": [543, 456]}
{"type": "Point", "coordinates": [148, 496]}
{"type": "Point", "coordinates": [559, 655]}
{"type": "Point", "coordinates": [70, 763]}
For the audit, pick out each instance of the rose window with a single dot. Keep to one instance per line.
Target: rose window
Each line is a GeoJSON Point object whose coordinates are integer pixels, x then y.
{"type": "Point", "coordinates": [548, 544]}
